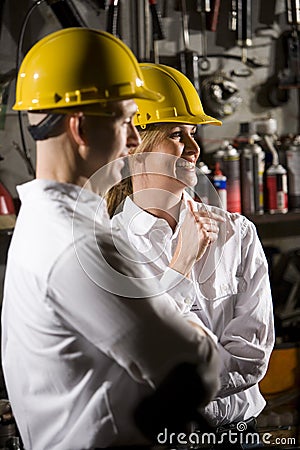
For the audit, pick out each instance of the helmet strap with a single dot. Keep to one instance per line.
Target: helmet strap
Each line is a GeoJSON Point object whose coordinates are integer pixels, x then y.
{"type": "Point", "coordinates": [46, 128]}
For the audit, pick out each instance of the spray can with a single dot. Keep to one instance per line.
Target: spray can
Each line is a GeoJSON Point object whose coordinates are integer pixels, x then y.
{"type": "Point", "coordinates": [276, 181]}
{"type": "Point", "coordinates": [293, 165]}
{"type": "Point", "coordinates": [219, 157]}
{"type": "Point", "coordinates": [258, 178]}
{"type": "Point", "coordinates": [247, 179]}
{"type": "Point", "coordinates": [252, 167]}
{"type": "Point", "coordinates": [219, 182]}
{"type": "Point", "coordinates": [231, 169]}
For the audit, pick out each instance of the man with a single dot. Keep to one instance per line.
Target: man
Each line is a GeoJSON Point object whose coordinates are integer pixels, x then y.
{"type": "Point", "coordinates": [91, 345]}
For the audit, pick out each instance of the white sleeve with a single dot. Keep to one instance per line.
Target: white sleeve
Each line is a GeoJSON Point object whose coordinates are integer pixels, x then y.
{"type": "Point", "coordinates": [247, 341]}
{"type": "Point", "coordinates": [180, 288]}
{"type": "Point", "coordinates": [114, 310]}
{"type": "Point", "coordinates": [182, 291]}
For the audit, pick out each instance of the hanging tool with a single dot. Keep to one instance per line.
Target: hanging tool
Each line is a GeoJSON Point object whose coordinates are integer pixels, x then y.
{"type": "Point", "coordinates": [7, 77]}
{"type": "Point", "coordinates": [157, 31]}
{"type": "Point", "coordinates": [188, 59]}
{"type": "Point", "coordinates": [67, 13]}
{"type": "Point", "coordinates": [7, 208]}
{"type": "Point", "coordinates": [113, 25]}
{"type": "Point", "coordinates": [1, 14]}
{"type": "Point", "coordinates": [5, 80]}
{"type": "Point", "coordinates": [203, 7]}
{"type": "Point", "coordinates": [212, 16]}
{"type": "Point", "coordinates": [232, 25]}
{"type": "Point", "coordinates": [290, 76]}
{"type": "Point", "coordinates": [293, 12]}
{"type": "Point", "coordinates": [165, 8]}
{"type": "Point", "coordinates": [241, 23]}
{"type": "Point", "coordinates": [220, 95]}
{"type": "Point", "coordinates": [244, 26]}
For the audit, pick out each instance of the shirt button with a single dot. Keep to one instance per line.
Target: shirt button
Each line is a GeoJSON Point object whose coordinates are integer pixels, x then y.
{"type": "Point", "coordinates": [225, 288]}
{"type": "Point", "coordinates": [188, 301]}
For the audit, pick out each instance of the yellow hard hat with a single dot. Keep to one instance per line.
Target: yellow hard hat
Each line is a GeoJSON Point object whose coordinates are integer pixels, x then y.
{"type": "Point", "coordinates": [78, 67]}
{"type": "Point", "coordinates": [181, 101]}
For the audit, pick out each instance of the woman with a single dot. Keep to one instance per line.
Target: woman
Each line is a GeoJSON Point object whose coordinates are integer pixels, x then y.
{"type": "Point", "coordinates": [231, 293]}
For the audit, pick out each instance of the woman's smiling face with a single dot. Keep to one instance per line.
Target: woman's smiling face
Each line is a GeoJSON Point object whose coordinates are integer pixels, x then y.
{"type": "Point", "coordinates": [180, 144]}
{"type": "Point", "coordinates": [164, 163]}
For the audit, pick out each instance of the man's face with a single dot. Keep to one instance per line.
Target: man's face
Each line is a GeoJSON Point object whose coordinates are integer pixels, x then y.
{"type": "Point", "coordinates": [109, 138]}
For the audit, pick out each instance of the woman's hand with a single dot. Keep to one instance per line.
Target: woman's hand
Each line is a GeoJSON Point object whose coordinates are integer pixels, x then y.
{"type": "Point", "coordinates": [198, 231]}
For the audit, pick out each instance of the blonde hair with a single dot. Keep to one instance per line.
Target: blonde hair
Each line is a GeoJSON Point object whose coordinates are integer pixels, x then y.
{"type": "Point", "coordinates": [151, 137]}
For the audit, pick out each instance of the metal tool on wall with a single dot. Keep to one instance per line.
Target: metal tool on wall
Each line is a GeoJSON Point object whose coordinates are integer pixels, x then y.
{"type": "Point", "coordinates": [7, 208]}
{"type": "Point", "coordinates": [220, 95]}
{"type": "Point", "coordinates": [203, 7]}
{"type": "Point", "coordinates": [113, 21]}
{"type": "Point", "coordinates": [212, 16]}
{"type": "Point", "coordinates": [188, 59]}
{"type": "Point", "coordinates": [241, 23]}
{"type": "Point", "coordinates": [157, 29]}
{"type": "Point", "coordinates": [290, 76]}
{"type": "Point", "coordinates": [66, 13]}
{"type": "Point", "coordinates": [1, 13]}
{"type": "Point", "coordinates": [5, 81]}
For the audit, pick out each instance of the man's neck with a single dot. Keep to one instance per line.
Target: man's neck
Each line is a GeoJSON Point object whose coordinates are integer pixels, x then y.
{"type": "Point", "coordinates": [58, 163]}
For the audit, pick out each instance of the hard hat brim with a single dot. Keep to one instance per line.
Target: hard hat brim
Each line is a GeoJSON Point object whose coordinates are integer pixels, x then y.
{"type": "Point", "coordinates": [204, 119]}
{"type": "Point", "coordinates": [143, 93]}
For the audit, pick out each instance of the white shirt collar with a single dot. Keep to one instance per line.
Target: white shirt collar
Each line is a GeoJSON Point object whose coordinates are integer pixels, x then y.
{"type": "Point", "coordinates": [137, 220]}
{"type": "Point", "coordinates": [39, 187]}
{"type": "Point", "coordinates": [140, 222]}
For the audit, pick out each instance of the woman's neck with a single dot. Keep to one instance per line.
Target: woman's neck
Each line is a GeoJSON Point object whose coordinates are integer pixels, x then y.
{"type": "Point", "coordinates": [160, 203]}
{"type": "Point", "coordinates": [171, 217]}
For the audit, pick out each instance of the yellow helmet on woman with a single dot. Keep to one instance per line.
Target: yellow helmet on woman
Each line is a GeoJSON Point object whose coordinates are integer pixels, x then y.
{"type": "Point", "coordinates": [77, 67]}
{"type": "Point", "coordinates": [181, 103]}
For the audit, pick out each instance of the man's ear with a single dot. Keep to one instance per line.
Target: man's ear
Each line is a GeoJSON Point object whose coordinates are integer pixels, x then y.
{"type": "Point", "coordinates": [75, 125]}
